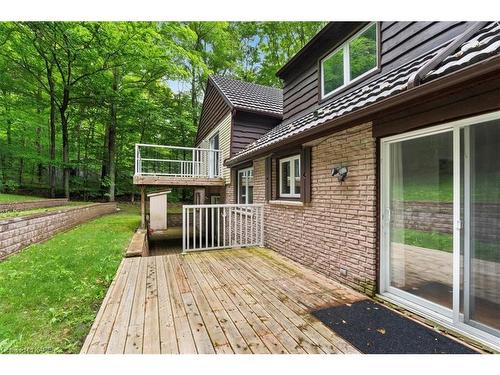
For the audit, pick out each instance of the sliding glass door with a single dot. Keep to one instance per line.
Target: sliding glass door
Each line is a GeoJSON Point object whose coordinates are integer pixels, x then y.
{"type": "Point", "coordinates": [480, 237]}
{"type": "Point", "coordinates": [440, 222]}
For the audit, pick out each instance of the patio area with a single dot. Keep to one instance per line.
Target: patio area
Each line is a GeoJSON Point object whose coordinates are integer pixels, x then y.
{"type": "Point", "coordinates": [226, 301]}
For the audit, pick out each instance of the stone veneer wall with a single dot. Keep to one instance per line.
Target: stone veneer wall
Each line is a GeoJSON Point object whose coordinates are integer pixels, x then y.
{"type": "Point", "coordinates": [31, 205]}
{"type": "Point", "coordinates": [336, 233]}
{"type": "Point", "coordinates": [17, 233]}
{"type": "Point", "coordinates": [174, 220]}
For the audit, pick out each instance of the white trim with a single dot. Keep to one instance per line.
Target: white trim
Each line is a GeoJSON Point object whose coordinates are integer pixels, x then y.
{"type": "Point", "coordinates": [291, 160]}
{"type": "Point", "coordinates": [346, 61]}
{"type": "Point", "coordinates": [456, 225]}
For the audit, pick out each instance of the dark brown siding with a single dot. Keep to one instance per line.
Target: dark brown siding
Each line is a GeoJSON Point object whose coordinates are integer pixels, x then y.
{"type": "Point", "coordinates": [470, 99]}
{"type": "Point", "coordinates": [400, 43]}
{"type": "Point", "coordinates": [214, 109]}
{"type": "Point", "coordinates": [247, 127]}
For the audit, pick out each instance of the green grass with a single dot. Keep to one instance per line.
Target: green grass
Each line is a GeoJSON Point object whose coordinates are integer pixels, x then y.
{"type": "Point", "coordinates": [484, 191]}
{"type": "Point", "coordinates": [10, 214]}
{"type": "Point", "coordinates": [8, 198]}
{"type": "Point", "coordinates": [50, 292]}
{"type": "Point", "coordinates": [444, 242]}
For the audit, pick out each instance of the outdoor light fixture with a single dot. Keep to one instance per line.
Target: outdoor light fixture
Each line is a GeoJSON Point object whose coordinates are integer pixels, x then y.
{"type": "Point", "coordinates": [340, 172]}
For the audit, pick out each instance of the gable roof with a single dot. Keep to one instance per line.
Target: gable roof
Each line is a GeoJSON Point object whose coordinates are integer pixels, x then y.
{"type": "Point", "coordinates": [250, 97]}
{"type": "Point", "coordinates": [485, 43]}
{"type": "Point", "coordinates": [333, 33]}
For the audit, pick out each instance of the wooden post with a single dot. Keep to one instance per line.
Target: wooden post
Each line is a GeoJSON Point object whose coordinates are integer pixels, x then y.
{"type": "Point", "coordinates": [143, 207]}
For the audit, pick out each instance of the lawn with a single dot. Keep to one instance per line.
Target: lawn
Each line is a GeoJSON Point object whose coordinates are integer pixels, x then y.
{"type": "Point", "coordinates": [444, 242]}
{"type": "Point", "coordinates": [8, 198]}
{"type": "Point", "coordinates": [9, 214]}
{"type": "Point", "coordinates": [50, 292]}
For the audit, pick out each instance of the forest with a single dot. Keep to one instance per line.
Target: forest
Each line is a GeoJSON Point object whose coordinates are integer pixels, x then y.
{"type": "Point", "coordinates": [76, 96]}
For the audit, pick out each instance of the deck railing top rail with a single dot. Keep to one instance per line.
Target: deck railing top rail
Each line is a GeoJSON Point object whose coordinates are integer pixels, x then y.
{"type": "Point", "coordinates": [177, 161]}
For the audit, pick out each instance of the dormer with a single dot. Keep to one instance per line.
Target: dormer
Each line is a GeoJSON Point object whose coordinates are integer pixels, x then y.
{"type": "Point", "coordinates": [346, 55]}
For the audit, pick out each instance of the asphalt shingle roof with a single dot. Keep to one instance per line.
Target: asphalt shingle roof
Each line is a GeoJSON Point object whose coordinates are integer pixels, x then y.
{"type": "Point", "coordinates": [250, 96]}
{"type": "Point", "coordinates": [484, 44]}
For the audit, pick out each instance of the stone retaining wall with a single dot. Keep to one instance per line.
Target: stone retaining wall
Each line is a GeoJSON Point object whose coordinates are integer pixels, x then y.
{"type": "Point", "coordinates": [438, 217]}
{"type": "Point", "coordinates": [31, 205]}
{"type": "Point", "coordinates": [174, 220]}
{"type": "Point", "coordinates": [17, 233]}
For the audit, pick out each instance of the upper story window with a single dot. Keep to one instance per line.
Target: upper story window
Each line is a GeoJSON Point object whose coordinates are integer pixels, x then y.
{"type": "Point", "coordinates": [245, 186]}
{"type": "Point", "coordinates": [289, 177]}
{"type": "Point", "coordinates": [354, 59]}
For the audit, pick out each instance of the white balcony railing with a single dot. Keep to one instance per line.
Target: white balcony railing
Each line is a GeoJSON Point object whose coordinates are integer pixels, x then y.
{"type": "Point", "coordinates": [174, 161]}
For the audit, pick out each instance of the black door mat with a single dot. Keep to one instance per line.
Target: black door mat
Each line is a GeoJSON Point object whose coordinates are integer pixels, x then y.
{"type": "Point", "coordinates": [374, 329]}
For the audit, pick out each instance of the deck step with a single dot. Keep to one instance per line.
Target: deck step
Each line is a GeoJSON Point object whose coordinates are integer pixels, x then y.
{"type": "Point", "coordinates": [138, 245]}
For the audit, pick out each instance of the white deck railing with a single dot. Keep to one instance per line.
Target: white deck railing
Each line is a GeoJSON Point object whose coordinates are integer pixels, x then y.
{"type": "Point", "coordinates": [218, 226]}
{"type": "Point", "coordinates": [175, 161]}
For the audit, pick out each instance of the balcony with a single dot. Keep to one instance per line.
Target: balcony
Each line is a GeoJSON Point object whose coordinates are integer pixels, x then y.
{"type": "Point", "coordinates": [177, 166]}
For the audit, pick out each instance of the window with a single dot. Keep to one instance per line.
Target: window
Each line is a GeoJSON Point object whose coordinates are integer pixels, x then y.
{"type": "Point", "coordinates": [289, 177]}
{"type": "Point", "coordinates": [245, 186]}
{"type": "Point", "coordinates": [352, 60]}
{"type": "Point", "coordinates": [214, 156]}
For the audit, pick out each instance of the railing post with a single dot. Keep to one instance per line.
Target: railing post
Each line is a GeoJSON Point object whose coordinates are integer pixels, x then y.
{"type": "Point", "coordinates": [193, 163]}
{"type": "Point", "coordinates": [183, 229]}
{"type": "Point", "coordinates": [136, 155]}
{"type": "Point", "coordinates": [261, 209]}
{"type": "Point", "coordinates": [219, 153]}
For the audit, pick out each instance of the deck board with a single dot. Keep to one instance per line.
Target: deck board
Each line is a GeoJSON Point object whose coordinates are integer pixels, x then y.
{"type": "Point", "coordinates": [226, 301]}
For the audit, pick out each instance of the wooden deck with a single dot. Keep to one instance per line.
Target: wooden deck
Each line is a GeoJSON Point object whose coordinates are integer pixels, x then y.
{"type": "Point", "coordinates": [228, 301]}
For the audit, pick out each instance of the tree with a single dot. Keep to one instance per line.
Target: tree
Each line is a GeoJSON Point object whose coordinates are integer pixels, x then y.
{"type": "Point", "coordinates": [76, 96]}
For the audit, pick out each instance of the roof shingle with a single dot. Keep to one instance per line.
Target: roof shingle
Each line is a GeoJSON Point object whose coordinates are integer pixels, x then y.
{"type": "Point", "coordinates": [251, 96]}
{"type": "Point", "coordinates": [484, 44]}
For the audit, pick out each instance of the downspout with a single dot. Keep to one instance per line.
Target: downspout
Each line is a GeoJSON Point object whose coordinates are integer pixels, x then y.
{"type": "Point", "coordinates": [416, 78]}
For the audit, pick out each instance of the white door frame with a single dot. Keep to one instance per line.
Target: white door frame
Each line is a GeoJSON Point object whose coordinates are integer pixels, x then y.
{"type": "Point", "coordinates": [451, 318]}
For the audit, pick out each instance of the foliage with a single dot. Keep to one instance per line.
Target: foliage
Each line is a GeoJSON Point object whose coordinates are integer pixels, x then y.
{"type": "Point", "coordinates": [50, 292]}
{"type": "Point", "coordinates": [76, 96]}
{"type": "Point", "coordinates": [6, 198]}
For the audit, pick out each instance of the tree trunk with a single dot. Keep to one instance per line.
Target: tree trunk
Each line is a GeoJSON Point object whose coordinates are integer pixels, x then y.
{"type": "Point", "coordinates": [65, 154]}
{"type": "Point", "coordinates": [39, 171]}
{"type": "Point", "coordinates": [112, 137]}
{"type": "Point", "coordinates": [105, 160]}
{"type": "Point", "coordinates": [21, 164]}
{"type": "Point", "coordinates": [52, 131]}
{"type": "Point", "coordinates": [65, 140]}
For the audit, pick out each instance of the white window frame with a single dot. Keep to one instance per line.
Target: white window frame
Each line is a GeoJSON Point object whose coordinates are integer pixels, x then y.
{"type": "Point", "coordinates": [245, 170]}
{"type": "Point", "coordinates": [292, 193]}
{"type": "Point", "coordinates": [347, 67]}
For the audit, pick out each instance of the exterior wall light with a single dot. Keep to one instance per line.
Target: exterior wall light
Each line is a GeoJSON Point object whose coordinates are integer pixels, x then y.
{"type": "Point", "coordinates": [340, 172]}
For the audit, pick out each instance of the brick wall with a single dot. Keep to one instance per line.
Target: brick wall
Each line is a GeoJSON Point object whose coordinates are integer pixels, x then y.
{"type": "Point", "coordinates": [17, 233]}
{"type": "Point", "coordinates": [336, 233]}
{"type": "Point", "coordinates": [31, 205]}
